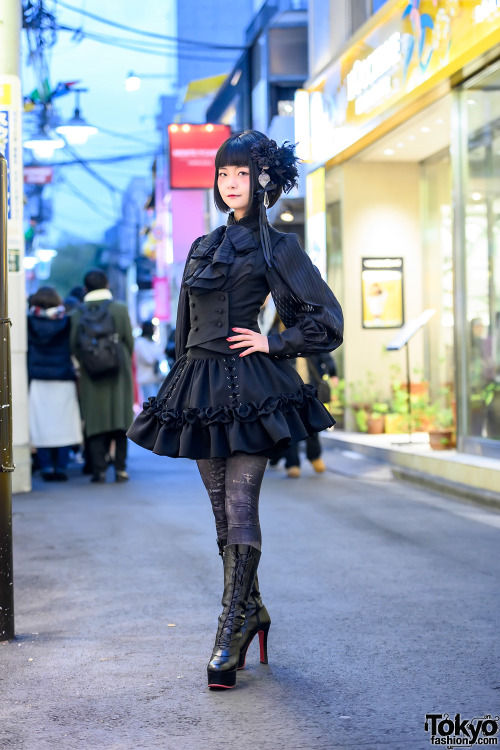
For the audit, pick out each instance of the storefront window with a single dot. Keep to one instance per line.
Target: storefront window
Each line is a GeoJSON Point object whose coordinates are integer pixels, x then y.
{"type": "Point", "coordinates": [480, 234]}
{"type": "Point", "coordinates": [437, 239]}
{"type": "Point", "coordinates": [334, 244]}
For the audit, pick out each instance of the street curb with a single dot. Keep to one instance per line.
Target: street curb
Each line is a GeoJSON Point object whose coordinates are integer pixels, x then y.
{"type": "Point", "coordinates": [458, 490]}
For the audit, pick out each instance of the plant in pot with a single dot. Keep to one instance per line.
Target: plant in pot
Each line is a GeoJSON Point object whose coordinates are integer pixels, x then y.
{"type": "Point", "coordinates": [442, 433]}
{"type": "Point", "coordinates": [396, 418]}
{"type": "Point", "coordinates": [376, 418]}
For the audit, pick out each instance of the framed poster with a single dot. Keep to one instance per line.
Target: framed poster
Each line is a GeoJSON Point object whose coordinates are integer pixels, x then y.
{"type": "Point", "coordinates": [382, 292]}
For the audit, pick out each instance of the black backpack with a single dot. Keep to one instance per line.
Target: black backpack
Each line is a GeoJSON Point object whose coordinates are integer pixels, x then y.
{"type": "Point", "coordinates": [98, 343]}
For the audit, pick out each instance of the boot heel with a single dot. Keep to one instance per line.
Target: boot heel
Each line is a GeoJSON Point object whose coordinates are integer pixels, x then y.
{"type": "Point", "coordinates": [263, 634]}
{"type": "Point", "coordinates": [222, 679]}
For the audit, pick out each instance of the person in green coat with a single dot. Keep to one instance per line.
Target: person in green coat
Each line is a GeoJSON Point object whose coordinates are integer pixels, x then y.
{"type": "Point", "coordinates": [106, 401]}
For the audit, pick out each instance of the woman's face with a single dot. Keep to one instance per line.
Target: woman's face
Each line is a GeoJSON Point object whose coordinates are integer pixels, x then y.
{"type": "Point", "coordinates": [234, 187]}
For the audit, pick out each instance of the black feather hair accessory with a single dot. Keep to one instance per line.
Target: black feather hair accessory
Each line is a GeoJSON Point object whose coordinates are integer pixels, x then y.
{"type": "Point", "coordinates": [280, 163]}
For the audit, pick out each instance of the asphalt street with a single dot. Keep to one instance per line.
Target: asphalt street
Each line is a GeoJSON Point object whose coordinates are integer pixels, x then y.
{"type": "Point", "coordinates": [384, 600]}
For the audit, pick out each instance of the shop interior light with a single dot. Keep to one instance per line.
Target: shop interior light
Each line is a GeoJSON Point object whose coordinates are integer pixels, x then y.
{"type": "Point", "coordinates": [400, 144]}
{"type": "Point", "coordinates": [173, 128]}
{"type": "Point", "coordinates": [472, 102]}
{"type": "Point", "coordinates": [425, 129]}
{"type": "Point", "coordinates": [389, 152]}
{"type": "Point", "coordinates": [411, 137]}
{"type": "Point", "coordinates": [287, 215]}
{"type": "Point", "coordinates": [132, 82]}
{"type": "Point", "coordinates": [476, 196]}
{"type": "Point", "coordinates": [186, 128]}
{"type": "Point", "coordinates": [439, 121]}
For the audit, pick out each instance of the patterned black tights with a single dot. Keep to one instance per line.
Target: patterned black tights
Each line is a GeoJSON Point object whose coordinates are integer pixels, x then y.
{"type": "Point", "coordinates": [233, 486]}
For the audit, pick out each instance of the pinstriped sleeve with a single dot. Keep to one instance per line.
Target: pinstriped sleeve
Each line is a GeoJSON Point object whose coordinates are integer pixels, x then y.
{"type": "Point", "coordinates": [182, 324]}
{"type": "Point", "coordinates": [305, 303]}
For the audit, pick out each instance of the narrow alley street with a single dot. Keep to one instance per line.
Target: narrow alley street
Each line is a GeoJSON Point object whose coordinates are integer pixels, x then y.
{"type": "Point", "coordinates": [384, 601]}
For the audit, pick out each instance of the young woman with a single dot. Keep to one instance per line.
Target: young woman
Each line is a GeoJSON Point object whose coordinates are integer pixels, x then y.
{"type": "Point", "coordinates": [231, 401]}
{"type": "Point", "coordinates": [54, 416]}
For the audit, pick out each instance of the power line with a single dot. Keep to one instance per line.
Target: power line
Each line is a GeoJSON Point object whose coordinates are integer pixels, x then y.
{"type": "Point", "coordinates": [133, 46]}
{"type": "Point", "coordinates": [104, 159]}
{"type": "Point", "coordinates": [151, 34]}
{"type": "Point", "coordinates": [88, 201]}
{"type": "Point", "coordinates": [125, 136]}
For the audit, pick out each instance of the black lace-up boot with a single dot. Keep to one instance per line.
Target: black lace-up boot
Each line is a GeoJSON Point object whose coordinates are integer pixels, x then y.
{"type": "Point", "coordinates": [240, 566]}
{"type": "Point", "coordinates": [257, 619]}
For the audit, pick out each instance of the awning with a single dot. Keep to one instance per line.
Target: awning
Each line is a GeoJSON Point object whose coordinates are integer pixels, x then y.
{"type": "Point", "coordinates": [203, 86]}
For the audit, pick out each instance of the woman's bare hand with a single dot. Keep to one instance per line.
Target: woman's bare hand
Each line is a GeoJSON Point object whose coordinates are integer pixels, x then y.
{"type": "Point", "coordinates": [256, 342]}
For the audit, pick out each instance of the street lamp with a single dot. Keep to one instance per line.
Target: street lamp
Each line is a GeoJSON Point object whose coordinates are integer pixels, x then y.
{"type": "Point", "coordinates": [133, 80]}
{"type": "Point", "coordinates": [77, 130]}
{"type": "Point", "coordinates": [43, 144]}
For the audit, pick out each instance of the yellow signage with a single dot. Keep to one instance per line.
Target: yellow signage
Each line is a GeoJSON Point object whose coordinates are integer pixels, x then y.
{"type": "Point", "coordinates": [414, 47]}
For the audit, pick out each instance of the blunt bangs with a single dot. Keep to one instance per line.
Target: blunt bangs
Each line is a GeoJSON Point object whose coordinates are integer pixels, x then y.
{"type": "Point", "coordinates": [235, 152]}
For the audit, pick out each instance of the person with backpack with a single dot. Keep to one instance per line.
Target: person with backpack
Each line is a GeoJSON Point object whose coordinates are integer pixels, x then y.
{"type": "Point", "coordinates": [102, 341]}
{"type": "Point", "coordinates": [54, 416]}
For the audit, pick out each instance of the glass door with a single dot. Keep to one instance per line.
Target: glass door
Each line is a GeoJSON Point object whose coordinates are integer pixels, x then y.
{"type": "Point", "coordinates": [478, 229]}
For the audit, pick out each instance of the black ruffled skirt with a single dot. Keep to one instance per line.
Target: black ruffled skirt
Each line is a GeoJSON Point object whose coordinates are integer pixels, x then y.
{"type": "Point", "coordinates": [214, 406]}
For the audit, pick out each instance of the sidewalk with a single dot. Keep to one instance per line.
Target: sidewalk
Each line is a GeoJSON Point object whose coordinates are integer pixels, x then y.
{"type": "Point", "coordinates": [474, 478]}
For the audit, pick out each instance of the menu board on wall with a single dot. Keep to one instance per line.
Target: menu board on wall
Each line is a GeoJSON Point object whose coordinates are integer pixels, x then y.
{"type": "Point", "coordinates": [382, 292]}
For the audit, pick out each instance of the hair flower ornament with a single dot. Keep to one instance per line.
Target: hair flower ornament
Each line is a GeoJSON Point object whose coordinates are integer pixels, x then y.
{"type": "Point", "coordinates": [278, 172]}
{"type": "Point", "coordinates": [278, 164]}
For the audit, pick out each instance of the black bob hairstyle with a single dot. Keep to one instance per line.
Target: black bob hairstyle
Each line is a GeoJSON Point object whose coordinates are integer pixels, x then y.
{"type": "Point", "coordinates": [235, 152]}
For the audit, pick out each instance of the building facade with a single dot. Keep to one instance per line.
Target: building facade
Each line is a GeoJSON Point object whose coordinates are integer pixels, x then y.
{"type": "Point", "coordinates": [399, 123]}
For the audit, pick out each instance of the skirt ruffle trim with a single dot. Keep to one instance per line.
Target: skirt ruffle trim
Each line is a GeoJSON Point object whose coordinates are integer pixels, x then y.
{"type": "Point", "coordinates": [266, 427]}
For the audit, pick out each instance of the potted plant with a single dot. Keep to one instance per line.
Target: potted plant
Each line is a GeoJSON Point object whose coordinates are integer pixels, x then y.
{"type": "Point", "coordinates": [376, 418]}
{"type": "Point", "coordinates": [442, 433]}
{"type": "Point", "coordinates": [396, 418]}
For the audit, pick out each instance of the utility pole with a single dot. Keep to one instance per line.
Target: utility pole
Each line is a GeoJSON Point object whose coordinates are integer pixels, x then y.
{"type": "Point", "coordinates": [6, 459]}
{"type": "Point", "coordinates": [11, 146]}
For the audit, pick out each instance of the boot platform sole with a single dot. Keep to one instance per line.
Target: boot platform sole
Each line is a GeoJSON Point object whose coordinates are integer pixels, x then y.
{"type": "Point", "coordinates": [222, 679]}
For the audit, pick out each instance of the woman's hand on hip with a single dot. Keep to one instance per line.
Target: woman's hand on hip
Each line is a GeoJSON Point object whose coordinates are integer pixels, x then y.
{"type": "Point", "coordinates": [256, 342]}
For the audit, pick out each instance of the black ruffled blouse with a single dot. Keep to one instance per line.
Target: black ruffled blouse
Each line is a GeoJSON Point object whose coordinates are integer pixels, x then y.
{"type": "Point", "coordinates": [230, 258]}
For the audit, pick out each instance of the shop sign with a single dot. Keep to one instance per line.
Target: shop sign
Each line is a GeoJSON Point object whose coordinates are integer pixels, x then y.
{"type": "Point", "coordinates": [316, 219]}
{"type": "Point", "coordinates": [11, 147]}
{"type": "Point", "coordinates": [192, 150]}
{"type": "Point", "coordinates": [38, 175]}
{"type": "Point", "coordinates": [415, 47]}
{"type": "Point", "coordinates": [382, 292]}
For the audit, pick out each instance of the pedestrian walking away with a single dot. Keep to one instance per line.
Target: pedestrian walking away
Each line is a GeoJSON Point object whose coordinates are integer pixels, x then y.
{"type": "Point", "coordinates": [102, 341]}
{"type": "Point", "coordinates": [54, 416]}
{"type": "Point", "coordinates": [231, 401]}
{"type": "Point", "coordinates": [148, 354]}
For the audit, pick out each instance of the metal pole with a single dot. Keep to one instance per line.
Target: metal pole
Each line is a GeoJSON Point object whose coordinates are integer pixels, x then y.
{"type": "Point", "coordinates": [6, 460]}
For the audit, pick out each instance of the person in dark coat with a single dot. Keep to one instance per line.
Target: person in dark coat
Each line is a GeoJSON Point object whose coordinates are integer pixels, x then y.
{"type": "Point", "coordinates": [106, 402]}
{"type": "Point", "coordinates": [311, 370]}
{"type": "Point", "coordinates": [54, 416]}
{"type": "Point", "coordinates": [231, 401]}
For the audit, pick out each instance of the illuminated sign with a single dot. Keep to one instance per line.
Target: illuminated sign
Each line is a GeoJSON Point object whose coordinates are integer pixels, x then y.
{"type": "Point", "coordinates": [369, 80]}
{"type": "Point", "coordinates": [192, 150]}
{"type": "Point", "coordinates": [412, 49]}
{"type": "Point", "coordinates": [485, 10]}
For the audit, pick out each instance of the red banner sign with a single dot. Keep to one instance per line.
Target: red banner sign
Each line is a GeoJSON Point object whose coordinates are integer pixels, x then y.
{"type": "Point", "coordinates": [38, 175]}
{"type": "Point", "coordinates": [192, 153]}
